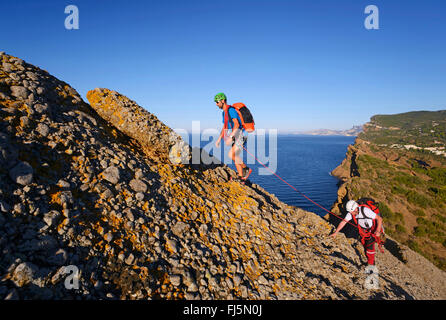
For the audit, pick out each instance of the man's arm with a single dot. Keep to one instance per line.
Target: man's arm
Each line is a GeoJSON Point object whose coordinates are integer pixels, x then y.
{"type": "Point", "coordinates": [378, 227]}
{"type": "Point", "coordinates": [339, 228]}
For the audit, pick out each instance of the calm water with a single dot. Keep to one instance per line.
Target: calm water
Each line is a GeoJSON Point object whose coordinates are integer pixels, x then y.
{"type": "Point", "coordinates": [305, 162]}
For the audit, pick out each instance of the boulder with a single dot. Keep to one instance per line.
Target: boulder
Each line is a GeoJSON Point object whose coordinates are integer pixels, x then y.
{"type": "Point", "coordinates": [112, 174]}
{"type": "Point", "coordinates": [19, 92]}
{"type": "Point", "coordinates": [24, 273]}
{"type": "Point", "coordinates": [22, 173]}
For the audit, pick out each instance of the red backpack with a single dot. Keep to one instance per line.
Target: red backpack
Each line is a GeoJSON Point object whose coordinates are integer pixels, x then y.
{"type": "Point", "coordinates": [369, 203]}
{"type": "Point", "coordinates": [372, 205]}
{"type": "Point", "coordinates": [244, 114]}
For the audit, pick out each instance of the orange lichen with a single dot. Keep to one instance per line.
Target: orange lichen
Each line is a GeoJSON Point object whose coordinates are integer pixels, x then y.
{"type": "Point", "coordinates": [55, 197]}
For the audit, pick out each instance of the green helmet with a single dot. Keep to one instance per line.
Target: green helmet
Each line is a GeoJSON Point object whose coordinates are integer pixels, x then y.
{"type": "Point", "coordinates": [220, 96]}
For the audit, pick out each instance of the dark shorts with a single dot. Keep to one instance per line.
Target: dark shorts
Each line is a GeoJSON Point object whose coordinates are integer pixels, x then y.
{"type": "Point", "coordinates": [239, 141]}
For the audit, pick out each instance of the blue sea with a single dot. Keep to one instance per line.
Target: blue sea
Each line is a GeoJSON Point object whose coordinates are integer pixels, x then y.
{"type": "Point", "coordinates": [304, 161]}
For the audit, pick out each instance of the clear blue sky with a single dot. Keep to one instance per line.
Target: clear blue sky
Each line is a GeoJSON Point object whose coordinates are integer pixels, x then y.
{"type": "Point", "coordinates": [297, 64]}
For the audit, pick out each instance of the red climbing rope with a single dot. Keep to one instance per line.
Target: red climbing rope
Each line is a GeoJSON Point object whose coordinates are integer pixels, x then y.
{"type": "Point", "coordinates": [298, 190]}
{"type": "Point", "coordinates": [377, 239]}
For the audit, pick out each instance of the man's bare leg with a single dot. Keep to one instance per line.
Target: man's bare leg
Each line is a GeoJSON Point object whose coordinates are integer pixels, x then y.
{"type": "Point", "coordinates": [239, 165]}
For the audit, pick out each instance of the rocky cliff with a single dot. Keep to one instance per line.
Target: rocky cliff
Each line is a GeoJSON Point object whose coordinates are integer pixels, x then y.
{"type": "Point", "coordinates": [96, 204]}
{"type": "Point", "coordinates": [409, 183]}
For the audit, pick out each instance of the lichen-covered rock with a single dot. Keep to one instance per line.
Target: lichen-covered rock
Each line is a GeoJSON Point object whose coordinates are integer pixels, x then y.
{"type": "Point", "coordinates": [19, 92]}
{"type": "Point", "coordinates": [154, 136]}
{"type": "Point", "coordinates": [43, 129]}
{"type": "Point", "coordinates": [138, 185]}
{"type": "Point", "coordinates": [112, 174]}
{"type": "Point", "coordinates": [110, 202]}
{"type": "Point", "coordinates": [24, 273]}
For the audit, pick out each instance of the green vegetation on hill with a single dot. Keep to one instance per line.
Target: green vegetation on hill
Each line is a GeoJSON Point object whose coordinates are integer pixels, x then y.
{"type": "Point", "coordinates": [420, 128]}
{"type": "Point", "coordinates": [412, 199]}
{"type": "Point", "coordinates": [409, 119]}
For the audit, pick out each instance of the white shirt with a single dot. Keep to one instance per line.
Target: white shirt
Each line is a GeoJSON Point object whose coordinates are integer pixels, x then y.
{"type": "Point", "coordinates": [364, 220]}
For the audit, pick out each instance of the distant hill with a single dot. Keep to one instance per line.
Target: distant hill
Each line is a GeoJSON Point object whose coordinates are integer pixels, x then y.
{"type": "Point", "coordinates": [353, 132]}
{"type": "Point", "coordinates": [421, 128]}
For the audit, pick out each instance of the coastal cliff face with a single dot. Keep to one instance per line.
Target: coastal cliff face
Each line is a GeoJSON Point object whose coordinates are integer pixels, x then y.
{"type": "Point", "coordinates": [99, 189]}
{"type": "Point", "coordinates": [397, 160]}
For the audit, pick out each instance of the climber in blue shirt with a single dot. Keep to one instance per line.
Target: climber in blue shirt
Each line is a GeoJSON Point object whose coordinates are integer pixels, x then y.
{"type": "Point", "coordinates": [232, 121]}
